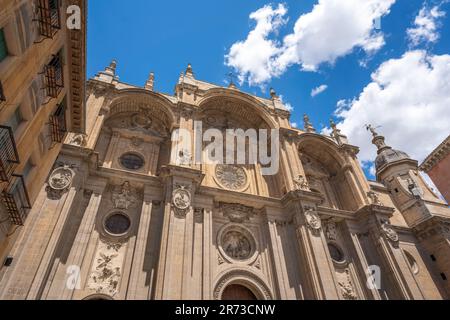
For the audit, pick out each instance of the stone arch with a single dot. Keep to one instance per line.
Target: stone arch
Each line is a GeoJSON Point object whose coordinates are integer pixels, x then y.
{"type": "Point", "coordinates": [97, 296]}
{"type": "Point", "coordinates": [136, 100]}
{"type": "Point", "coordinates": [326, 171]}
{"type": "Point", "coordinates": [240, 105]}
{"type": "Point", "coordinates": [244, 278]}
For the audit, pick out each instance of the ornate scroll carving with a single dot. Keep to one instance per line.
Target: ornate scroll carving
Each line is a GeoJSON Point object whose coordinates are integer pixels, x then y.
{"type": "Point", "coordinates": [236, 212]}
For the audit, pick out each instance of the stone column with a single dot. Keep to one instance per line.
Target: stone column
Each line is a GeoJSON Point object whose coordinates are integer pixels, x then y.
{"type": "Point", "coordinates": [314, 252]}
{"type": "Point", "coordinates": [386, 240]}
{"type": "Point", "coordinates": [58, 288]}
{"type": "Point", "coordinates": [138, 288]}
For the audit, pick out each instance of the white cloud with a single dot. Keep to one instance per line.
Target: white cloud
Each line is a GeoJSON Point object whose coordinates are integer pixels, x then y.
{"type": "Point", "coordinates": [425, 26]}
{"type": "Point", "coordinates": [318, 90]}
{"type": "Point", "coordinates": [252, 57]}
{"type": "Point", "coordinates": [408, 97]}
{"type": "Point", "coordinates": [294, 124]}
{"type": "Point", "coordinates": [333, 29]}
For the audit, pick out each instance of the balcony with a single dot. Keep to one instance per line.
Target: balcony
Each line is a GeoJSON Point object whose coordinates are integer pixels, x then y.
{"type": "Point", "coordinates": [9, 158]}
{"type": "Point", "coordinates": [16, 201]}
{"type": "Point", "coordinates": [2, 94]}
{"type": "Point", "coordinates": [58, 128]}
{"type": "Point", "coordinates": [48, 17]}
{"type": "Point", "coordinates": [54, 77]}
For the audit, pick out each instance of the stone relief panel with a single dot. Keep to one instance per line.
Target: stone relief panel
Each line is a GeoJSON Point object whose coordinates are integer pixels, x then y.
{"type": "Point", "coordinates": [237, 244]}
{"type": "Point", "coordinates": [346, 286]}
{"type": "Point", "coordinates": [106, 271]}
{"type": "Point", "coordinates": [124, 197]}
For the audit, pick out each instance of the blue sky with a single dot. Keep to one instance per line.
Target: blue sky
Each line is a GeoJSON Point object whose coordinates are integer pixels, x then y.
{"type": "Point", "coordinates": [163, 36]}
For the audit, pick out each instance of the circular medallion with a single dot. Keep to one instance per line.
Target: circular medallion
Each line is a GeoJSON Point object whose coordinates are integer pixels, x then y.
{"type": "Point", "coordinates": [181, 199]}
{"type": "Point", "coordinates": [231, 177]}
{"type": "Point", "coordinates": [61, 178]}
{"type": "Point", "coordinates": [237, 244]}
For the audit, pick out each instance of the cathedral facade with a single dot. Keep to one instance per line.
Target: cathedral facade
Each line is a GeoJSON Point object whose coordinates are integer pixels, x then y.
{"type": "Point", "coordinates": [126, 214]}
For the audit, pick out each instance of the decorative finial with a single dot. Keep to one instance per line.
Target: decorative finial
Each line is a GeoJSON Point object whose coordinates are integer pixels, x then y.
{"type": "Point", "coordinates": [150, 81]}
{"type": "Point", "coordinates": [337, 134]}
{"type": "Point", "coordinates": [370, 128]}
{"type": "Point", "coordinates": [273, 93]}
{"type": "Point", "coordinates": [308, 126]}
{"type": "Point", "coordinates": [189, 71]}
{"type": "Point", "coordinates": [231, 76]}
{"type": "Point", "coordinates": [377, 140]}
{"type": "Point", "coordinates": [111, 69]}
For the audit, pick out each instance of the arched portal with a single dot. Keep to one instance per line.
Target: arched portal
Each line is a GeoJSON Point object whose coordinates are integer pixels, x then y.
{"type": "Point", "coordinates": [238, 292]}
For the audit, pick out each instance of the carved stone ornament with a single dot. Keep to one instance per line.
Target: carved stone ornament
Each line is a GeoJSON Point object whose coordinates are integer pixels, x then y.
{"type": "Point", "coordinates": [231, 177]}
{"type": "Point", "coordinates": [184, 158]}
{"type": "Point", "coordinates": [181, 200]}
{"type": "Point", "coordinates": [331, 231]}
{"type": "Point", "coordinates": [312, 218]}
{"type": "Point", "coordinates": [374, 198]}
{"type": "Point", "coordinates": [124, 197]}
{"type": "Point", "coordinates": [60, 181]}
{"type": "Point", "coordinates": [346, 287]}
{"type": "Point", "coordinates": [236, 245]}
{"type": "Point", "coordinates": [389, 232]}
{"type": "Point", "coordinates": [78, 140]}
{"type": "Point", "coordinates": [301, 183]}
{"type": "Point", "coordinates": [107, 269]}
{"type": "Point", "coordinates": [236, 212]}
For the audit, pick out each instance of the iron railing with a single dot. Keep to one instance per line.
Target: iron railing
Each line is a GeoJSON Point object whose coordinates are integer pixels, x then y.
{"type": "Point", "coordinates": [54, 77]}
{"type": "Point", "coordinates": [58, 126]}
{"type": "Point", "coordinates": [48, 17]}
{"type": "Point", "coordinates": [9, 158]}
{"type": "Point", "coordinates": [16, 200]}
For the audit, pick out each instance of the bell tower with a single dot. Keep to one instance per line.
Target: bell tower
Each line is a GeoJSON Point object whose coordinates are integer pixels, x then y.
{"type": "Point", "coordinates": [422, 209]}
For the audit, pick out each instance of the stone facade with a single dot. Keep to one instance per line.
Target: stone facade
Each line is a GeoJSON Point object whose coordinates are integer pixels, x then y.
{"type": "Point", "coordinates": [437, 166]}
{"type": "Point", "coordinates": [126, 214]}
{"type": "Point", "coordinates": [42, 78]}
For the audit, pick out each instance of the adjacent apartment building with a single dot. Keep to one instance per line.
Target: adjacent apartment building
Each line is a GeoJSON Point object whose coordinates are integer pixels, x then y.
{"type": "Point", "coordinates": [42, 79]}
{"type": "Point", "coordinates": [437, 166]}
